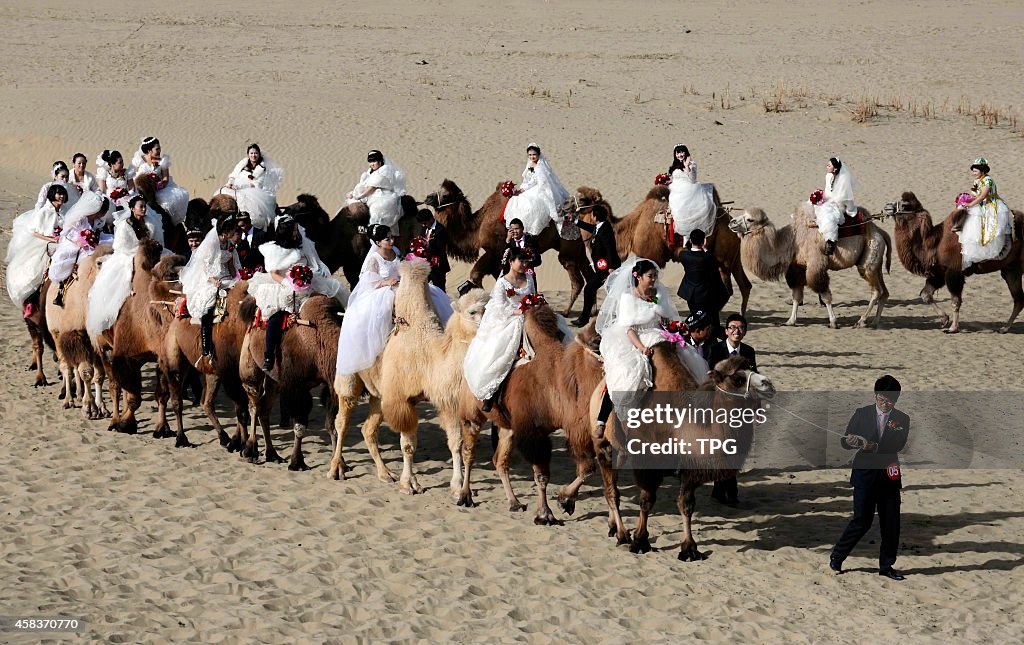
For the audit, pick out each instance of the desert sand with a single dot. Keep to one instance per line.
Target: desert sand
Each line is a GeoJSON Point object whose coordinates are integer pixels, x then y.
{"type": "Point", "coordinates": [148, 543]}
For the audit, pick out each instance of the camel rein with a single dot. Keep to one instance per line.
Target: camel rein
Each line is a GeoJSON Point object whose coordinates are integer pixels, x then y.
{"type": "Point", "coordinates": [746, 388]}
{"type": "Point", "coordinates": [600, 359]}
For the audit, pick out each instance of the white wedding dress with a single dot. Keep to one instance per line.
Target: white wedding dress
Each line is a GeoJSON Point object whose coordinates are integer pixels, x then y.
{"type": "Point", "coordinates": [369, 317]}
{"type": "Point", "coordinates": [838, 203]}
{"type": "Point", "coordinates": [69, 248]}
{"type": "Point", "coordinates": [172, 197]}
{"type": "Point", "coordinates": [27, 255]}
{"type": "Point", "coordinates": [73, 194]}
{"type": "Point", "coordinates": [385, 203]}
{"type": "Point", "coordinates": [255, 190]}
{"type": "Point", "coordinates": [542, 194]}
{"type": "Point", "coordinates": [115, 185]}
{"type": "Point", "coordinates": [627, 371]}
{"type": "Point", "coordinates": [987, 229]}
{"type": "Point", "coordinates": [113, 283]}
{"type": "Point", "coordinates": [692, 203]}
{"type": "Point", "coordinates": [86, 185]}
{"type": "Point", "coordinates": [495, 348]}
{"type": "Point", "coordinates": [209, 261]}
{"type": "Point", "coordinates": [272, 296]}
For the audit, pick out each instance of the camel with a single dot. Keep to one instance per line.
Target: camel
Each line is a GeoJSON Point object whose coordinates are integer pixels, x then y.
{"type": "Point", "coordinates": [796, 251]}
{"type": "Point", "coordinates": [39, 332]}
{"type": "Point", "coordinates": [933, 251]}
{"type": "Point", "coordinates": [551, 391]}
{"type": "Point", "coordinates": [645, 232]}
{"type": "Point", "coordinates": [308, 357]}
{"type": "Point", "coordinates": [181, 353]}
{"type": "Point", "coordinates": [732, 390]}
{"type": "Point", "coordinates": [80, 365]}
{"type": "Point", "coordinates": [469, 232]}
{"type": "Point", "coordinates": [342, 242]}
{"type": "Point", "coordinates": [137, 338]}
{"type": "Point", "coordinates": [421, 362]}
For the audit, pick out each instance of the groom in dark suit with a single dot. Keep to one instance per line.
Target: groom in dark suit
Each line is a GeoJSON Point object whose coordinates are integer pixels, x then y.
{"type": "Point", "coordinates": [604, 254]}
{"type": "Point", "coordinates": [878, 432]}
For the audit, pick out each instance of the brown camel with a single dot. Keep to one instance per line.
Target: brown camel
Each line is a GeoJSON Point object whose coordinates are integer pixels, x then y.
{"type": "Point", "coordinates": [421, 362]}
{"type": "Point", "coordinates": [39, 332]}
{"type": "Point", "coordinates": [308, 357]}
{"type": "Point", "coordinates": [137, 338]}
{"type": "Point", "coordinates": [342, 242]}
{"type": "Point", "coordinates": [733, 391]}
{"type": "Point", "coordinates": [79, 363]}
{"type": "Point", "coordinates": [550, 391]}
{"type": "Point", "coordinates": [645, 233]}
{"type": "Point", "coordinates": [470, 232]}
{"type": "Point", "coordinates": [933, 251]}
{"type": "Point", "coordinates": [182, 352]}
{"type": "Point", "coordinates": [797, 251]}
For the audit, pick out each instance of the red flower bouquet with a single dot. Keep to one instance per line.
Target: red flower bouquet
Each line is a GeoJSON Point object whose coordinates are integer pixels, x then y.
{"type": "Point", "coordinates": [530, 301]}
{"type": "Point", "coordinates": [118, 193]}
{"type": "Point", "coordinates": [57, 231]}
{"type": "Point", "coordinates": [817, 197]}
{"type": "Point", "coordinates": [662, 180]}
{"type": "Point", "coordinates": [301, 277]}
{"type": "Point", "coordinates": [508, 189]}
{"type": "Point", "coordinates": [88, 239]}
{"type": "Point", "coordinates": [674, 331]}
{"type": "Point", "coordinates": [246, 273]}
{"type": "Point", "coordinates": [510, 292]}
{"type": "Point", "coordinates": [963, 199]}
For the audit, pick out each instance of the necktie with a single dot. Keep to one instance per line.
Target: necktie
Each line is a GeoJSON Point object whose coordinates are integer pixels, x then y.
{"type": "Point", "coordinates": [734, 352]}
{"type": "Point", "coordinates": [881, 426]}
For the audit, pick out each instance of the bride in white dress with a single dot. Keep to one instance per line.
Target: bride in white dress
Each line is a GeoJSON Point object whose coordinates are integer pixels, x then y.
{"type": "Point", "coordinates": [630, 323]}
{"type": "Point", "coordinates": [381, 187]}
{"type": "Point", "coordinates": [113, 283]}
{"type": "Point", "coordinates": [495, 348]}
{"type": "Point", "coordinates": [87, 214]}
{"type": "Point", "coordinates": [275, 294]}
{"type": "Point", "coordinates": [692, 204]}
{"type": "Point", "coordinates": [81, 179]}
{"type": "Point", "coordinates": [150, 160]}
{"type": "Point", "coordinates": [541, 194]}
{"type": "Point", "coordinates": [254, 183]}
{"type": "Point", "coordinates": [369, 318]}
{"type": "Point", "coordinates": [32, 243]}
{"type": "Point", "coordinates": [211, 271]}
{"type": "Point", "coordinates": [839, 187]}
{"type": "Point", "coordinates": [987, 230]}
{"type": "Point", "coordinates": [59, 174]}
{"type": "Point", "coordinates": [113, 178]}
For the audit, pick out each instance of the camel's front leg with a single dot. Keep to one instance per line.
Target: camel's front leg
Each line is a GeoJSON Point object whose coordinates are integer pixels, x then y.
{"type": "Point", "coordinates": [453, 431]}
{"type": "Point", "coordinates": [407, 483]}
{"type": "Point", "coordinates": [1012, 277]}
{"type": "Point", "coordinates": [648, 495]}
{"type": "Point", "coordinates": [371, 436]}
{"type": "Point", "coordinates": [687, 502]}
{"type": "Point", "coordinates": [927, 296]}
{"type": "Point", "coordinates": [576, 284]}
{"type": "Point", "coordinates": [341, 422]}
{"type": "Point", "coordinates": [162, 395]}
{"type": "Point", "coordinates": [470, 432]}
{"type": "Point", "coordinates": [541, 476]}
{"type": "Point", "coordinates": [798, 299]}
{"type": "Point", "coordinates": [68, 375]}
{"type": "Point", "coordinates": [827, 299]}
{"type": "Point", "coordinates": [567, 496]}
{"type": "Point", "coordinates": [502, 457]}
{"type": "Point", "coordinates": [609, 477]}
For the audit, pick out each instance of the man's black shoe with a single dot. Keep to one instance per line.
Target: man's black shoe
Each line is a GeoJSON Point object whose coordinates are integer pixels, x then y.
{"type": "Point", "coordinates": [580, 322]}
{"type": "Point", "coordinates": [892, 574]}
{"type": "Point", "coordinates": [835, 565]}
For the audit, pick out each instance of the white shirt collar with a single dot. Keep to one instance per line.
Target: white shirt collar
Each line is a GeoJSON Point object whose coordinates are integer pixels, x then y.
{"type": "Point", "coordinates": [731, 349]}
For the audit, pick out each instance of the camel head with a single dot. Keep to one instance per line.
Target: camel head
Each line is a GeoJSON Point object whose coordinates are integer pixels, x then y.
{"type": "Point", "coordinates": [471, 305]}
{"type": "Point", "coordinates": [749, 221]}
{"type": "Point", "coordinates": [586, 204]}
{"type": "Point", "coordinates": [148, 254]}
{"type": "Point", "coordinates": [167, 268]}
{"type": "Point", "coordinates": [733, 376]}
{"type": "Point", "coordinates": [446, 200]}
{"type": "Point", "coordinates": [542, 321]}
{"type": "Point", "coordinates": [310, 215]}
{"type": "Point", "coordinates": [416, 271]}
{"type": "Point", "coordinates": [908, 202]}
{"type": "Point", "coordinates": [221, 205]}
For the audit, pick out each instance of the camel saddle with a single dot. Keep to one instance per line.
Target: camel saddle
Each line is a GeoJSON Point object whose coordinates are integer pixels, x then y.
{"type": "Point", "coordinates": [852, 226]}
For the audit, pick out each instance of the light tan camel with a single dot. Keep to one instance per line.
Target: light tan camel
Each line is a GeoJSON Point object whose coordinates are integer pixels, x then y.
{"type": "Point", "coordinates": [79, 363]}
{"type": "Point", "coordinates": [645, 231]}
{"type": "Point", "coordinates": [797, 251]}
{"type": "Point", "coordinates": [421, 362]}
{"type": "Point", "coordinates": [732, 393]}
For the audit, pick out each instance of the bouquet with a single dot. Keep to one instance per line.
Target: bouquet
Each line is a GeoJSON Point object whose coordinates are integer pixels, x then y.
{"type": "Point", "coordinates": [674, 332]}
{"type": "Point", "coordinates": [300, 277]}
{"type": "Point", "coordinates": [508, 189]}
{"type": "Point", "coordinates": [118, 193]}
{"type": "Point", "coordinates": [963, 199]}
{"type": "Point", "coordinates": [817, 197]}
{"type": "Point", "coordinates": [419, 250]}
{"type": "Point", "coordinates": [510, 292]}
{"type": "Point", "coordinates": [160, 184]}
{"type": "Point", "coordinates": [246, 273]}
{"type": "Point", "coordinates": [57, 230]}
{"type": "Point", "coordinates": [530, 301]}
{"type": "Point", "coordinates": [88, 239]}
{"type": "Point", "coordinates": [662, 180]}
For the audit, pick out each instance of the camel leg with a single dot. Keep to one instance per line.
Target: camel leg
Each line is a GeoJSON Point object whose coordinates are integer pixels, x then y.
{"type": "Point", "coordinates": [263, 413]}
{"type": "Point", "coordinates": [99, 375]}
{"type": "Point", "coordinates": [37, 355]}
{"type": "Point", "coordinates": [687, 502]}
{"type": "Point", "coordinates": [161, 394]}
{"type": "Point", "coordinates": [955, 284]}
{"type": "Point", "coordinates": [648, 482]}
{"type": "Point", "coordinates": [407, 482]}
{"type": "Point", "coordinates": [798, 299]}
{"type": "Point", "coordinates": [609, 477]}
{"type": "Point", "coordinates": [502, 457]}
{"type": "Point", "coordinates": [470, 432]}
{"type": "Point", "coordinates": [567, 496]}
{"type": "Point", "coordinates": [1013, 279]}
{"type": "Point", "coordinates": [541, 476]}
{"type": "Point", "coordinates": [129, 385]}
{"type": "Point", "coordinates": [744, 285]}
{"type": "Point", "coordinates": [210, 410]}
{"type": "Point", "coordinates": [827, 298]}
{"type": "Point", "coordinates": [341, 422]}
{"type": "Point", "coordinates": [927, 296]}
{"type": "Point", "coordinates": [371, 434]}
{"type": "Point", "coordinates": [453, 431]}
{"type": "Point", "coordinates": [488, 264]}
{"type": "Point", "coordinates": [67, 375]}
{"type": "Point", "coordinates": [303, 403]}
{"type": "Point", "coordinates": [176, 385]}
